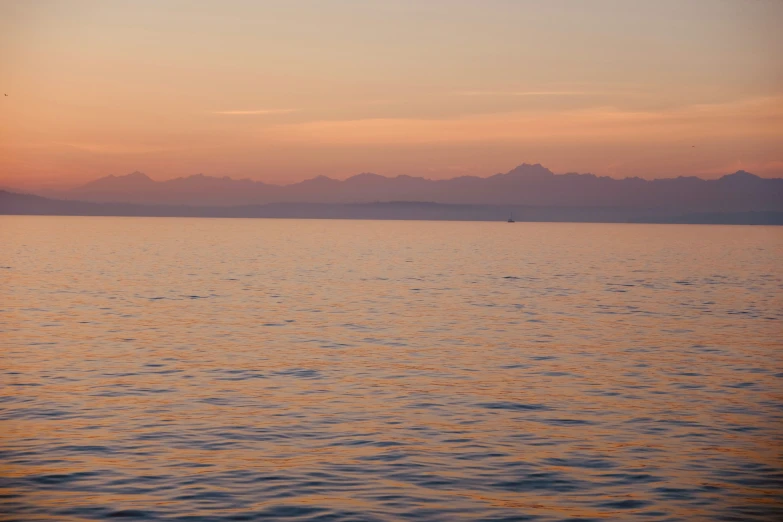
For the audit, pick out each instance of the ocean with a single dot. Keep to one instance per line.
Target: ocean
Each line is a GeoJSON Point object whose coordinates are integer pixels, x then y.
{"type": "Point", "coordinates": [336, 370]}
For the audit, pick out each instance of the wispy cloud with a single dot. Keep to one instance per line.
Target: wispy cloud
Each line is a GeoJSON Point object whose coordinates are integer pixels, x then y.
{"type": "Point", "coordinates": [523, 93]}
{"type": "Point", "coordinates": [257, 112]}
{"type": "Point", "coordinates": [757, 119]}
{"type": "Point", "coordinates": [113, 148]}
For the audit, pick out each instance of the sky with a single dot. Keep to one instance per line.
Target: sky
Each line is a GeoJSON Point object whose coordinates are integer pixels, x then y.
{"type": "Point", "coordinates": [281, 91]}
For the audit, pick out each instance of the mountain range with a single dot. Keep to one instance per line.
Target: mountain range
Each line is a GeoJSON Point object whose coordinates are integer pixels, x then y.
{"type": "Point", "coordinates": [524, 185]}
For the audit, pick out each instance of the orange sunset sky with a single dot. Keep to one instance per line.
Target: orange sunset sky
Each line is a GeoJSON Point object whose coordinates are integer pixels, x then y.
{"type": "Point", "coordinates": [281, 91]}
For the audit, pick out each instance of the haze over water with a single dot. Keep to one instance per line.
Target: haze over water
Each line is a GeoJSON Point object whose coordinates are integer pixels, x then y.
{"type": "Point", "coordinates": [207, 369]}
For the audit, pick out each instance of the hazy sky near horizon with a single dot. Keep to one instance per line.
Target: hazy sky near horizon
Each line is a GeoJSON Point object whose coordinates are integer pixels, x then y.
{"type": "Point", "coordinates": [285, 90]}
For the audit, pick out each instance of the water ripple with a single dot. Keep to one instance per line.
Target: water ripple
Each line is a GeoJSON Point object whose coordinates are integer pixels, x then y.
{"type": "Point", "coordinates": [226, 370]}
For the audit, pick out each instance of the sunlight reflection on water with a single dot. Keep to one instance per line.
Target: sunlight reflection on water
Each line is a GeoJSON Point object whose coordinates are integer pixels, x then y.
{"type": "Point", "coordinates": [198, 369]}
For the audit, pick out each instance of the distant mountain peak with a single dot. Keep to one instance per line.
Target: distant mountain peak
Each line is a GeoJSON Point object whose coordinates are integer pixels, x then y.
{"type": "Point", "coordinates": [740, 174]}
{"type": "Point", "coordinates": [134, 175]}
{"type": "Point", "coordinates": [367, 177]}
{"type": "Point", "coordinates": [133, 180]}
{"type": "Point", "coordinates": [528, 170]}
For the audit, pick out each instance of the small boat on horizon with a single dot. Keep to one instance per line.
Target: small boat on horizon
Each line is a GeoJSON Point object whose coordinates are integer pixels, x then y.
{"type": "Point", "coordinates": [510, 218]}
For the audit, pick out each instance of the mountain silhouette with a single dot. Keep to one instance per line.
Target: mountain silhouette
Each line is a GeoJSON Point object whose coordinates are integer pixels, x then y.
{"type": "Point", "coordinates": [27, 204]}
{"type": "Point", "coordinates": [524, 185]}
{"type": "Point", "coordinates": [130, 182]}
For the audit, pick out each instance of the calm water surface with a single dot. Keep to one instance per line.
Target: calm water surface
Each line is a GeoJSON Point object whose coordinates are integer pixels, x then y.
{"type": "Point", "coordinates": [197, 369]}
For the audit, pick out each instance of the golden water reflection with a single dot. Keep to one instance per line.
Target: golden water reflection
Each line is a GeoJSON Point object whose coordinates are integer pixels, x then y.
{"type": "Point", "coordinates": [164, 368]}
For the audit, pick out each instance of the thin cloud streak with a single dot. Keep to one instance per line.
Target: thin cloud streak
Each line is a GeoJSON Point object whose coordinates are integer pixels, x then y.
{"type": "Point", "coordinates": [524, 93]}
{"type": "Point", "coordinates": [758, 118]}
{"type": "Point", "coordinates": [256, 112]}
{"type": "Point", "coordinates": [113, 148]}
